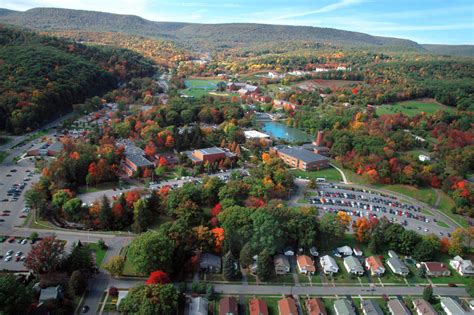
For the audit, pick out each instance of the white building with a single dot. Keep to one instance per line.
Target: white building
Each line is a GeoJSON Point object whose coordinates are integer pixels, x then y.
{"type": "Point", "coordinates": [424, 158]}
{"type": "Point", "coordinates": [345, 250]}
{"type": "Point", "coordinates": [254, 134]}
{"type": "Point", "coordinates": [452, 307]}
{"type": "Point", "coordinates": [462, 266]}
{"type": "Point", "coordinates": [329, 265]}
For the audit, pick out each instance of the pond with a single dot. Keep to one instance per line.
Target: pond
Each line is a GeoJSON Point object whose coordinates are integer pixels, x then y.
{"type": "Point", "coordinates": [282, 131]}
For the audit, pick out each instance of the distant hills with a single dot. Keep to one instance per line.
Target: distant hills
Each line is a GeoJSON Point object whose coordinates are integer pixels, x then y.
{"type": "Point", "coordinates": [203, 37]}
{"type": "Point", "coordinates": [453, 50]}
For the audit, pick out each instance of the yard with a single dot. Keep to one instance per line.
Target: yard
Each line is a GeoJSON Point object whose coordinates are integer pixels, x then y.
{"type": "Point", "coordinates": [330, 174]}
{"type": "Point", "coordinates": [98, 252]}
{"type": "Point", "coordinates": [412, 108]}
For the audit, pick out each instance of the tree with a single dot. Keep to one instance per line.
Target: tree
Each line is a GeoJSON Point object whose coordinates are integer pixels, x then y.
{"type": "Point", "coordinates": [361, 229]}
{"type": "Point", "coordinates": [428, 293]}
{"type": "Point", "coordinates": [408, 241]}
{"type": "Point", "coordinates": [105, 214]}
{"type": "Point", "coordinates": [72, 209]}
{"type": "Point", "coordinates": [151, 251]}
{"type": "Point", "coordinates": [79, 259]}
{"type": "Point", "coordinates": [151, 299]}
{"type": "Point", "coordinates": [59, 199]}
{"type": "Point", "coordinates": [246, 255]}
{"type": "Point", "coordinates": [229, 267]}
{"type": "Point", "coordinates": [141, 216]}
{"type": "Point", "coordinates": [115, 265]}
{"type": "Point", "coordinates": [77, 283]}
{"type": "Point", "coordinates": [46, 255]}
{"type": "Point", "coordinates": [158, 277]}
{"type": "Point", "coordinates": [264, 266]}
{"type": "Point", "coordinates": [427, 249]}
{"type": "Point", "coordinates": [15, 297]}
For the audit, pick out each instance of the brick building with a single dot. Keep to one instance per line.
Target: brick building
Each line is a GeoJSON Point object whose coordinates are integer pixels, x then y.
{"type": "Point", "coordinates": [300, 158]}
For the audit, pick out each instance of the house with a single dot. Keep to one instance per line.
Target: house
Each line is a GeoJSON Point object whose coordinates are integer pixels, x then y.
{"type": "Point", "coordinates": [397, 307]}
{"type": "Point", "coordinates": [391, 254]}
{"type": "Point", "coordinates": [375, 266]}
{"type": "Point", "coordinates": [300, 158]}
{"type": "Point", "coordinates": [289, 252]}
{"type": "Point", "coordinates": [228, 306]}
{"type": "Point", "coordinates": [398, 267]}
{"type": "Point", "coordinates": [281, 104]}
{"type": "Point", "coordinates": [135, 164]}
{"type": "Point", "coordinates": [258, 307]}
{"type": "Point", "coordinates": [287, 306]}
{"type": "Point", "coordinates": [210, 155]}
{"type": "Point", "coordinates": [424, 158]}
{"type": "Point", "coordinates": [282, 264]}
{"type": "Point", "coordinates": [210, 263]}
{"type": "Point", "coordinates": [422, 307]}
{"type": "Point", "coordinates": [198, 306]}
{"type": "Point", "coordinates": [51, 293]}
{"type": "Point", "coordinates": [436, 269]}
{"type": "Point", "coordinates": [452, 307]}
{"type": "Point", "coordinates": [343, 307]}
{"type": "Point", "coordinates": [353, 266]}
{"type": "Point", "coordinates": [329, 265]}
{"type": "Point", "coordinates": [345, 250]}
{"type": "Point", "coordinates": [370, 307]}
{"type": "Point", "coordinates": [358, 252]}
{"type": "Point", "coordinates": [305, 264]}
{"type": "Point", "coordinates": [315, 307]}
{"type": "Point", "coordinates": [462, 266]}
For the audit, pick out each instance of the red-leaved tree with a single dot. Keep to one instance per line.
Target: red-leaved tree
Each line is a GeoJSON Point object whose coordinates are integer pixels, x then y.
{"type": "Point", "coordinates": [46, 255]}
{"type": "Point", "coordinates": [158, 277]}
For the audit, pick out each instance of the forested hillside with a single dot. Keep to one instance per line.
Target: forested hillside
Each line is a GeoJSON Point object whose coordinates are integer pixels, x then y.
{"type": "Point", "coordinates": [453, 50]}
{"type": "Point", "coordinates": [199, 36]}
{"type": "Point", "coordinates": [42, 77]}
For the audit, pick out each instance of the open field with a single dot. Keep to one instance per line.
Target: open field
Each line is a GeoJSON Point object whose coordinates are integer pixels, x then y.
{"type": "Point", "coordinates": [426, 195]}
{"type": "Point", "coordinates": [445, 205]}
{"type": "Point", "coordinates": [412, 108]}
{"type": "Point", "coordinates": [98, 252]}
{"type": "Point", "coordinates": [311, 85]}
{"type": "Point", "coordinates": [199, 87]}
{"type": "Point", "coordinates": [330, 174]}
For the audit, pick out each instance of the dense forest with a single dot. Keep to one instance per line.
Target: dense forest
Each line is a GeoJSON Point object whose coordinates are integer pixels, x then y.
{"type": "Point", "coordinates": [42, 77]}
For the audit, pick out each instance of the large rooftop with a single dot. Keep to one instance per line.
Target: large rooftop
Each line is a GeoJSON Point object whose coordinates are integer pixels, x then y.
{"type": "Point", "coordinates": [301, 154]}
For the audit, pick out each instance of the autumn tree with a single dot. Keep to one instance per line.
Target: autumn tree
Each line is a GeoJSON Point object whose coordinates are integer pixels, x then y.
{"type": "Point", "coordinates": [115, 265]}
{"type": "Point", "coordinates": [151, 299]}
{"type": "Point", "coordinates": [46, 255]}
{"type": "Point", "coordinates": [158, 277]}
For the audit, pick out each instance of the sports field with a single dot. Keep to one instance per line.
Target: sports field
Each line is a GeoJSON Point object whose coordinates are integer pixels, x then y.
{"type": "Point", "coordinates": [412, 108]}
{"type": "Point", "coordinates": [199, 87]}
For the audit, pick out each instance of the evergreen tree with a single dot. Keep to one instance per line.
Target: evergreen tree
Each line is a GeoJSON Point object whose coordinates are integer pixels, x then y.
{"type": "Point", "coordinates": [105, 215]}
{"type": "Point", "coordinates": [77, 283]}
{"type": "Point", "coordinates": [264, 266]}
{"type": "Point", "coordinates": [230, 272]}
{"type": "Point", "coordinates": [246, 255]}
{"type": "Point", "coordinates": [428, 293]}
{"type": "Point", "coordinates": [141, 216]}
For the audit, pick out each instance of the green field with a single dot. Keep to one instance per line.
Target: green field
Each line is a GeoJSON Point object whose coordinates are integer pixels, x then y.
{"type": "Point", "coordinates": [199, 87]}
{"type": "Point", "coordinates": [445, 205]}
{"type": "Point", "coordinates": [426, 195]}
{"type": "Point", "coordinates": [412, 108]}
{"type": "Point", "coordinates": [331, 174]}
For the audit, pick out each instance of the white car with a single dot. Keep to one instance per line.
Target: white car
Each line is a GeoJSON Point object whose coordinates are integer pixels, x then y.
{"type": "Point", "coordinates": [9, 253]}
{"type": "Point", "coordinates": [8, 258]}
{"type": "Point", "coordinates": [24, 241]}
{"type": "Point", "coordinates": [426, 230]}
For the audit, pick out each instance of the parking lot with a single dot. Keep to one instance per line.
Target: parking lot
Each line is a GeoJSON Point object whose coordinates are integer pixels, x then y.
{"type": "Point", "coordinates": [17, 251]}
{"type": "Point", "coordinates": [372, 204]}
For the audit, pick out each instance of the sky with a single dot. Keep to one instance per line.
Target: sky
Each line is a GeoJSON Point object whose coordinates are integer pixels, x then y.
{"type": "Point", "coordinates": [424, 21]}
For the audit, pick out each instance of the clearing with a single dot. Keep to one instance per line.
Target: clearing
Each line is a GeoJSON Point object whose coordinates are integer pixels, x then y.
{"type": "Point", "coordinates": [199, 87]}
{"type": "Point", "coordinates": [330, 174]}
{"type": "Point", "coordinates": [412, 108]}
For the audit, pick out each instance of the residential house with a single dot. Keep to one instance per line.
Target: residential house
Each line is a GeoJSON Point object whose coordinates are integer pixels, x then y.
{"type": "Point", "coordinates": [397, 266]}
{"type": "Point", "coordinates": [305, 264]}
{"type": "Point", "coordinates": [258, 307]}
{"type": "Point", "coordinates": [370, 307]}
{"type": "Point", "coordinates": [287, 306]}
{"type": "Point", "coordinates": [463, 266]}
{"type": "Point", "coordinates": [329, 265]}
{"type": "Point", "coordinates": [452, 307]}
{"type": "Point", "coordinates": [228, 306]}
{"type": "Point", "coordinates": [436, 269]}
{"type": "Point", "coordinates": [397, 307]}
{"type": "Point", "coordinates": [210, 155]}
{"type": "Point", "coordinates": [210, 263]}
{"type": "Point", "coordinates": [343, 307]}
{"type": "Point", "coordinates": [282, 264]}
{"type": "Point", "coordinates": [198, 306]}
{"type": "Point", "coordinates": [298, 157]}
{"type": "Point", "coordinates": [422, 307]}
{"type": "Point", "coordinates": [51, 293]}
{"type": "Point", "coordinates": [353, 266]}
{"type": "Point", "coordinates": [392, 253]}
{"type": "Point", "coordinates": [315, 307]}
{"type": "Point", "coordinates": [375, 266]}
{"type": "Point", "coordinates": [345, 250]}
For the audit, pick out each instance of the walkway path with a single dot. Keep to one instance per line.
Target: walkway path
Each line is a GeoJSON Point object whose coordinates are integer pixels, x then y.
{"type": "Point", "coordinates": [344, 179]}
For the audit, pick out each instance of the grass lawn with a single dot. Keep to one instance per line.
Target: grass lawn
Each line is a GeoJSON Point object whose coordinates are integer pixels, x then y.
{"type": "Point", "coordinates": [329, 305]}
{"type": "Point", "coordinates": [412, 108]}
{"type": "Point", "coordinates": [426, 195]}
{"type": "Point", "coordinates": [3, 155]}
{"type": "Point", "coordinates": [330, 174]}
{"type": "Point", "coordinates": [446, 204]}
{"type": "Point", "coordinates": [99, 187]}
{"type": "Point", "coordinates": [199, 87]}
{"type": "Point", "coordinates": [442, 224]}
{"type": "Point", "coordinates": [283, 279]}
{"type": "Point", "coordinates": [99, 253]}
{"type": "Point", "coordinates": [128, 268]}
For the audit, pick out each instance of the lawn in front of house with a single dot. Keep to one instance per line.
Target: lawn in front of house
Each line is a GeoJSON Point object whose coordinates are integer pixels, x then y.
{"type": "Point", "coordinates": [330, 174]}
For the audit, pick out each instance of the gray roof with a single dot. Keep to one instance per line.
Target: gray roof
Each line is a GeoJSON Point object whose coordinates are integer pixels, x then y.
{"type": "Point", "coordinates": [397, 307]}
{"type": "Point", "coordinates": [453, 306]}
{"type": "Point", "coordinates": [344, 307]}
{"type": "Point", "coordinates": [209, 260]}
{"type": "Point", "coordinates": [56, 146]}
{"type": "Point", "coordinates": [370, 307]}
{"type": "Point", "coordinates": [301, 154]}
{"type": "Point", "coordinates": [138, 160]}
{"type": "Point", "coordinates": [424, 307]}
{"type": "Point", "coordinates": [281, 260]}
{"type": "Point", "coordinates": [397, 265]}
{"type": "Point", "coordinates": [354, 264]}
{"type": "Point", "coordinates": [392, 253]}
{"type": "Point", "coordinates": [50, 293]}
{"type": "Point", "coordinates": [213, 150]}
{"type": "Point", "coordinates": [310, 146]}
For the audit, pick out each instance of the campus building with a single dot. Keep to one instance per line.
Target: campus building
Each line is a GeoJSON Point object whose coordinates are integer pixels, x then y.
{"type": "Point", "coordinates": [300, 158]}
{"type": "Point", "coordinates": [210, 155]}
{"type": "Point", "coordinates": [135, 164]}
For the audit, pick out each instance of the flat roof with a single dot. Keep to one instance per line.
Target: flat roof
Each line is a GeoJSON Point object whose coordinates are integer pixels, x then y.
{"type": "Point", "coordinates": [213, 150]}
{"type": "Point", "coordinates": [138, 160]}
{"type": "Point", "coordinates": [301, 154]}
{"type": "Point", "coordinates": [255, 134]}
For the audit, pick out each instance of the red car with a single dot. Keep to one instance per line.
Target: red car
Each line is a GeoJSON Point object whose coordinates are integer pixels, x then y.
{"type": "Point", "coordinates": [22, 216]}
{"type": "Point", "coordinates": [11, 239]}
